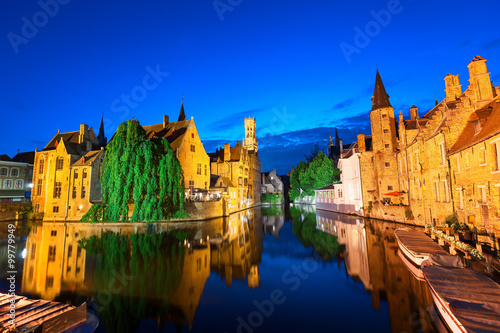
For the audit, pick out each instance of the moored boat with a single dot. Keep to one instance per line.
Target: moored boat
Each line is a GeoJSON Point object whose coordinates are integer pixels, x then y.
{"type": "Point", "coordinates": [416, 245]}
{"type": "Point", "coordinates": [466, 300]}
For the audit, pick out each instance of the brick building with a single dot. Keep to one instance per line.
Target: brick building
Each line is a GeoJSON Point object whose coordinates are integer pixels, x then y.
{"type": "Point", "coordinates": [66, 177]}
{"type": "Point", "coordinates": [16, 175]}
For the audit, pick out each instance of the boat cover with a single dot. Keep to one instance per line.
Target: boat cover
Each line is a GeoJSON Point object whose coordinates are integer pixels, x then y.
{"type": "Point", "coordinates": [418, 242]}
{"type": "Point", "coordinates": [473, 298]}
{"type": "Point", "coordinates": [444, 261]}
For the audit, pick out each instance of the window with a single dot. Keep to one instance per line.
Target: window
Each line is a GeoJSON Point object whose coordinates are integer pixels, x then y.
{"type": "Point", "coordinates": [458, 163]}
{"type": "Point", "coordinates": [76, 174]}
{"type": "Point", "coordinates": [3, 171]}
{"type": "Point", "coordinates": [198, 168]}
{"type": "Point", "coordinates": [192, 135]}
{"type": "Point", "coordinates": [386, 131]}
{"type": "Point", "coordinates": [384, 116]}
{"type": "Point", "coordinates": [39, 187]}
{"type": "Point", "coordinates": [53, 233]}
{"type": "Point", "coordinates": [477, 126]}
{"type": "Point", "coordinates": [443, 153]}
{"type": "Point", "coordinates": [482, 157]}
{"type": "Point", "coordinates": [192, 148]}
{"type": "Point", "coordinates": [466, 161]}
{"type": "Point", "coordinates": [387, 164]}
{"type": "Point", "coordinates": [74, 192]}
{"type": "Point", "coordinates": [483, 194]}
{"type": "Point", "coordinates": [460, 198]}
{"type": "Point", "coordinates": [14, 172]}
{"type": "Point", "coordinates": [386, 145]}
{"type": "Point", "coordinates": [55, 209]}
{"type": "Point", "coordinates": [446, 194]}
{"type": "Point", "coordinates": [206, 188]}
{"type": "Point", "coordinates": [60, 163]}
{"type": "Point", "coordinates": [40, 166]}
{"type": "Point", "coordinates": [70, 250]}
{"type": "Point", "coordinates": [436, 191]}
{"type": "Point", "coordinates": [205, 169]}
{"type": "Point", "coordinates": [220, 184]}
{"type": "Point", "coordinates": [52, 252]}
{"type": "Point", "coordinates": [191, 185]}
{"type": "Point", "coordinates": [389, 188]}
{"type": "Point", "coordinates": [198, 264]}
{"type": "Point", "coordinates": [84, 175]}
{"type": "Point", "coordinates": [84, 192]}
{"type": "Point", "coordinates": [37, 208]}
{"type": "Point", "coordinates": [57, 189]}
{"type": "Point", "coordinates": [19, 183]}
{"type": "Point", "coordinates": [496, 148]}
{"type": "Point", "coordinates": [78, 251]}
{"type": "Point", "coordinates": [33, 251]}
{"type": "Point", "coordinates": [339, 193]}
{"type": "Point", "coordinates": [7, 183]}
{"type": "Point", "coordinates": [49, 283]}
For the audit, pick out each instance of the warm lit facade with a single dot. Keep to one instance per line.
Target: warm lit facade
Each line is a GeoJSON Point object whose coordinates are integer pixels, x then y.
{"type": "Point", "coordinates": [186, 143]}
{"type": "Point", "coordinates": [66, 175]}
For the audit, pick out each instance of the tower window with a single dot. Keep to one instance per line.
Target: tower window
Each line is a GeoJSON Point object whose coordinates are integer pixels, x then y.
{"type": "Point", "coordinates": [384, 116]}
{"type": "Point", "coordinates": [387, 164]}
{"type": "Point", "coordinates": [386, 131]}
{"type": "Point", "coordinates": [192, 148]}
{"type": "Point", "coordinates": [386, 145]}
{"type": "Point", "coordinates": [59, 163]}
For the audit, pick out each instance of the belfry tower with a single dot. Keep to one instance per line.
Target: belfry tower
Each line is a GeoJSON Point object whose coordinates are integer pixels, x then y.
{"type": "Point", "coordinates": [249, 140]}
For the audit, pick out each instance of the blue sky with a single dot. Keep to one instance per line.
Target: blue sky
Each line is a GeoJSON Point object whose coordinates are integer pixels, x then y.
{"type": "Point", "coordinates": [283, 62]}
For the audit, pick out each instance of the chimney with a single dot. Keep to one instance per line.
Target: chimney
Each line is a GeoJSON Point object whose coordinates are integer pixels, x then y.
{"type": "Point", "coordinates": [165, 121]}
{"type": "Point", "coordinates": [453, 87]}
{"type": "Point", "coordinates": [479, 80]}
{"type": "Point", "coordinates": [227, 152]}
{"type": "Point", "coordinates": [341, 145]}
{"type": "Point", "coordinates": [361, 143]}
{"type": "Point", "coordinates": [413, 113]}
{"type": "Point", "coordinates": [84, 132]}
{"type": "Point", "coordinates": [263, 177]}
{"type": "Point", "coordinates": [239, 143]}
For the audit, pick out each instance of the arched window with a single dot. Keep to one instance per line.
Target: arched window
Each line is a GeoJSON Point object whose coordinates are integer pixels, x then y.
{"type": "Point", "coordinates": [60, 163]}
{"type": "Point", "coordinates": [14, 172]}
{"type": "Point", "coordinates": [41, 165]}
{"type": "Point", "coordinates": [7, 183]}
{"type": "Point", "coordinates": [3, 171]}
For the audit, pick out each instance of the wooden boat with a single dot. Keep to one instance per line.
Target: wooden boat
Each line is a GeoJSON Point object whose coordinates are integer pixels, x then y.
{"type": "Point", "coordinates": [416, 245]}
{"type": "Point", "coordinates": [466, 300]}
{"type": "Point", "coordinates": [414, 270]}
{"type": "Point", "coordinates": [44, 316]}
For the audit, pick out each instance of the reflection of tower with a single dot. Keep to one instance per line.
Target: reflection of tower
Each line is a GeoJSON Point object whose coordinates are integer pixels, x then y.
{"type": "Point", "coordinates": [250, 141]}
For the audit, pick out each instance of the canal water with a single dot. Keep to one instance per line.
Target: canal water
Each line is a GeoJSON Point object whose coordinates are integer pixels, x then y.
{"type": "Point", "coordinates": [262, 270]}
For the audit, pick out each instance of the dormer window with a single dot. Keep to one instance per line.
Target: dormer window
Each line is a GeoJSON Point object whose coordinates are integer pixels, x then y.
{"type": "Point", "coordinates": [477, 126]}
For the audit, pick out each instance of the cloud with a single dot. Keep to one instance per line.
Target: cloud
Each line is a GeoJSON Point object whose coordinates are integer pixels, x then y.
{"type": "Point", "coordinates": [463, 44]}
{"type": "Point", "coordinates": [345, 104]}
{"type": "Point", "coordinates": [491, 45]}
{"type": "Point", "coordinates": [227, 124]}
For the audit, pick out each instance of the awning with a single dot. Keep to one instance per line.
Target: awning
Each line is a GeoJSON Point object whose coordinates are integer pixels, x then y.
{"type": "Point", "coordinates": [394, 194]}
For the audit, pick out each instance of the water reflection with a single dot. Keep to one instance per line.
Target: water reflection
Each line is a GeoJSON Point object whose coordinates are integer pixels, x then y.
{"type": "Point", "coordinates": [163, 274]}
{"type": "Point", "coordinates": [369, 250]}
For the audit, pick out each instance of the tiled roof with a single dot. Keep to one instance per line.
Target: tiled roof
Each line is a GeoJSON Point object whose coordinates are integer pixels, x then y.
{"type": "Point", "coordinates": [88, 158]}
{"type": "Point", "coordinates": [489, 115]}
{"type": "Point", "coordinates": [412, 124]}
{"type": "Point", "coordinates": [68, 137]}
{"type": "Point", "coordinates": [380, 98]}
{"type": "Point", "coordinates": [173, 132]}
{"type": "Point", "coordinates": [26, 157]}
{"type": "Point", "coordinates": [5, 157]}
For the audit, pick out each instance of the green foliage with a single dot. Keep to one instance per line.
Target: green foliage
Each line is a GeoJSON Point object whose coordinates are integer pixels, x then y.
{"type": "Point", "coordinates": [370, 207]}
{"type": "Point", "coordinates": [135, 276]}
{"type": "Point", "coordinates": [271, 211]}
{"type": "Point", "coordinates": [314, 152]}
{"type": "Point", "coordinates": [271, 198]}
{"type": "Point", "coordinates": [94, 214]}
{"type": "Point", "coordinates": [139, 171]}
{"type": "Point", "coordinates": [451, 219]}
{"type": "Point", "coordinates": [408, 213]}
{"type": "Point", "coordinates": [319, 173]}
{"type": "Point", "coordinates": [304, 228]}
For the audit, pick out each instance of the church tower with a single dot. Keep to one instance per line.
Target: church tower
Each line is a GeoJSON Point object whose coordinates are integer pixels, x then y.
{"type": "Point", "coordinates": [182, 115]}
{"type": "Point", "coordinates": [383, 123]}
{"type": "Point", "coordinates": [250, 141]}
{"type": "Point", "coordinates": [103, 140]}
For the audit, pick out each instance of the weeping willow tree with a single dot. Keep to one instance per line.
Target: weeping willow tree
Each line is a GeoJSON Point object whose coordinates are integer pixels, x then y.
{"type": "Point", "coordinates": [135, 276]}
{"type": "Point", "coordinates": [140, 171]}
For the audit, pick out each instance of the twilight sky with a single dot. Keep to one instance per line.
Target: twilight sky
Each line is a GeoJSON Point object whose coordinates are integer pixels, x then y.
{"type": "Point", "coordinates": [300, 67]}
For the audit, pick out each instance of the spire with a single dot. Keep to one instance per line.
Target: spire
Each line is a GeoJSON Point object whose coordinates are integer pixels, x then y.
{"type": "Point", "coordinates": [330, 141]}
{"type": "Point", "coordinates": [337, 141]}
{"type": "Point", "coordinates": [182, 115]}
{"type": "Point", "coordinates": [380, 98]}
{"type": "Point", "coordinates": [100, 137]}
{"type": "Point", "coordinates": [435, 97]}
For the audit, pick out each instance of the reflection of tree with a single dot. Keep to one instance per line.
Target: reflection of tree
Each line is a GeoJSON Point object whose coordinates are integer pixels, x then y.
{"type": "Point", "coordinates": [304, 228]}
{"type": "Point", "coordinates": [271, 210]}
{"type": "Point", "coordinates": [131, 272]}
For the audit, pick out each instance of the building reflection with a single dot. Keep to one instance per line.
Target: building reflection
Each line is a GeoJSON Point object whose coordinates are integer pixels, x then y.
{"type": "Point", "coordinates": [369, 251]}
{"type": "Point", "coordinates": [57, 266]}
{"type": "Point", "coordinates": [273, 219]}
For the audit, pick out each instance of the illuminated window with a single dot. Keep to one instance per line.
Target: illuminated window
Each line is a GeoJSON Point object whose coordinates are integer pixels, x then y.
{"type": "Point", "coordinates": [443, 153]}
{"type": "Point", "coordinates": [198, 168]}
{"type": "Point", "coordinates": [39, 187]}
{"type": "Point", "coordinates": [446, 193]}
{"type": "Point", "coordinates": [19, 183]}
{"type": "Point", "coordinates": [192, 135]}
{"type": "Point", "coordinates": [466, 161]}
{"type": "Point", "coordinates": [7, 183]}
{"type": "Point", "coordinates": [482, 156]}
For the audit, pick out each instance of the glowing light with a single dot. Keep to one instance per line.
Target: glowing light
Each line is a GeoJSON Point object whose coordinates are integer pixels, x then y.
{"type": "Point", "coordinates": [23, 254]}
{"type": "Point", "coordinates": [30, 185]}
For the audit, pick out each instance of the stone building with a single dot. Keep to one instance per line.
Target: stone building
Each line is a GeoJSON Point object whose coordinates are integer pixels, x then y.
{"type": "Point", "coordinates": [16, 175]}
{"type": "Point", "coordinates": [66, 178]}
{"type": "Point", "coordinates": [185, 141]}
{"type": "Point", "coordinates": [271, 182]}
{"type": "Point", "coordinates": [334, 150]}
{"type": "Point", "coordinates": [241, 166]}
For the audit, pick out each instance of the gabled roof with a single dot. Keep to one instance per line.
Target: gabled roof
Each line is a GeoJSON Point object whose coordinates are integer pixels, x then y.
{"type": "Point", "coordinates": [173, 132]}
{"type": "Point", "coordinates": [215, 181]}
{"type": "Point", "coordinates": [73, 137]}
{"type": "Point", "coordinates": [236, 154]}
{"type": "Point", "coordinates": [413, 124]}
{"type": "Point", "coordinates": [329, 187]}
{"type": "Point", "coordinates": [489, 117]}
{"type": "Point", "coordinates": [5, 157]}
{"type": "Point", "coordinates": [88, 158]}
{"type": "Point", "coordinates": [380, 98]}
{"type": "Point", "coordinates": [26, 157]}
